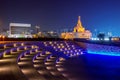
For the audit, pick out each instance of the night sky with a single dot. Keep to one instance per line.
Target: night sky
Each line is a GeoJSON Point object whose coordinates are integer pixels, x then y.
{"type": "Point", "coordinates": [102, 15]}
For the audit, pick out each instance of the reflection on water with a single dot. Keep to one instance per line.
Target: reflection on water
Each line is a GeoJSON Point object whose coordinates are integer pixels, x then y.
{"type": "Point", "coordinates": [94, 67]}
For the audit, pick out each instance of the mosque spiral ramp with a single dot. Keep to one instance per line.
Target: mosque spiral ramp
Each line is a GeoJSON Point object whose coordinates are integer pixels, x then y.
{"type": "Point", "coordinates": [41, 60]}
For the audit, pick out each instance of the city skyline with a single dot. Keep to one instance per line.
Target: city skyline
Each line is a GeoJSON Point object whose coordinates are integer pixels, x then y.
{"type": "Point", "coordinates": [100, 15]}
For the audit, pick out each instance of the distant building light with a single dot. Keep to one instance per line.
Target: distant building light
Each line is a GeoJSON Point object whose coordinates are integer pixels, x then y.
{"type": "Point", "coordinates": [106, 39]}
{"type": "Point", "coordinates": [20, 24]}
{"type": "Point", "coordinates": [94, 39]}
{"type": "Point", "coordinates": [115, 39]}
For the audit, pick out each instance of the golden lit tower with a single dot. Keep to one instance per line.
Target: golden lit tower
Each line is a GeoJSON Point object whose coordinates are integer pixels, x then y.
{"type": "Point", "coordinates": [78, 32]}
{"type": "Point", "coordinates": [79, 27]}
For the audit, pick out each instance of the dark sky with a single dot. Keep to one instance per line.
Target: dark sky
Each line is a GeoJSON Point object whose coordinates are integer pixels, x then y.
{"type": "Point", "coordinates": [103, 15]}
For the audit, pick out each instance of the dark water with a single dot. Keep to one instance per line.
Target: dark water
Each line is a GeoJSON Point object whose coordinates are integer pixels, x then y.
{"type": "Point", "coordinates": [94, 67]}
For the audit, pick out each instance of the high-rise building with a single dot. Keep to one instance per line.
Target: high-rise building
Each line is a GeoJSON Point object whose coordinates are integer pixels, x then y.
{"type": "Point", "coordinates": [19, 30]}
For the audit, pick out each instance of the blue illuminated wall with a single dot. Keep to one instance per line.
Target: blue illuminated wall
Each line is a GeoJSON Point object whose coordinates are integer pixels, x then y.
{"type": "Point", "coordinates": [102, 49]}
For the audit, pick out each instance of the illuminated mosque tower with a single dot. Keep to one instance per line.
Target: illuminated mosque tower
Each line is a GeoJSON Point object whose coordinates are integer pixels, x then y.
{"type": "Point", "coordinates": [79, 27]}
{"type": "Point", "coordinates": [78, 32]}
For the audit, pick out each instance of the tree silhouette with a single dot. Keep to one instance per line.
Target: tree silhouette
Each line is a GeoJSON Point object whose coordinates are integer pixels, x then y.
{"type": "Point", "coordinates": [101, 36]}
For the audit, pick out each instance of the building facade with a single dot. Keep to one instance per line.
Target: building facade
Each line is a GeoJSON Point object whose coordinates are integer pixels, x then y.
{"type": "Point", "coordinates": [78, 32]}
{"type": "Point", "coordinates": [17, 30]}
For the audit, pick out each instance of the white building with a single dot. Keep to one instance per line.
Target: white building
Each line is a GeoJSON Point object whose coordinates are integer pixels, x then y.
{"type": "Point", "coordinates": [19, 30]}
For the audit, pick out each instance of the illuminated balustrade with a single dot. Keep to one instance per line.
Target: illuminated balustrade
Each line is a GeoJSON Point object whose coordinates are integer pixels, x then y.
{"type": "Point", "coordinates": [25, 53]}
{"type": "Point", "coordinates": [103, 49]}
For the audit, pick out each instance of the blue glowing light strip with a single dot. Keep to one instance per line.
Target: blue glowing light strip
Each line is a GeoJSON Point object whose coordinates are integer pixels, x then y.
{"type": "Point", "coordinates": [104, 53]}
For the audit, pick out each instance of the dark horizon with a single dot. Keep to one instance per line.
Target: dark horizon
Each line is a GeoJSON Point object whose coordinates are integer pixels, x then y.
{"type": "Point", "coordinates": [102, 15]}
